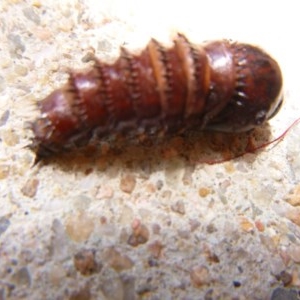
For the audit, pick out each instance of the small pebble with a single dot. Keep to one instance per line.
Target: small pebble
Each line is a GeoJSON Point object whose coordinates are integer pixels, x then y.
{"type": "Point", "coordinates": [112, 287]}
{"type": "Point", "coordinates": [85, 262]}
{"type": "Point", "coordinates": [89, 56]}
{"type": "Point", "coordinates": [211, 257]}
{"type": "Point", "coordinates": [127, 183]}
{"type": "Point", "coordinates": [293, 215]}
{"type": "Point", "coordinates": [104, 46]}
{"type": "Point", "coordinates": [294, 197]}
{"type": "Point", "coordinates": [59, 242]}
{"type": "Point", "coordinates": [211, 228]}
{"type": "Point", "coordinates": [229, 167]}
{"type": "Point", "coordinates": [9, 137]}
{"type": "Point", "coordinates": [30, 187]}
{"type": "Point", "coordinates": [128, 286]}
{"type": "Point", "coordinates": [36, 3]}
{"type": "Point", "coordinates": [31, 15]}
{"type": "Point", "coordinates": [43, 34]}
{"type": "Point", "coordinates": [178, 207]}
{"type": "Point", "coordinates": [83, 294]}
{"type": "Point", "coordinates": [159, 184]}
{"type": "Point", "coordinates": [153, 262]}
{"type": "Point", "coordinates": [4, 171]}
{"type": "Point", "coordinates": [21, 70]}
{"type": "Point", "coordinates": [126, 215]}
{"type": "Point", "coordinates": [260, 226]}
{"type": "Point", "coordinates": [140, 234]}
{"type": "Point", "coordinates": [183, 234]}
{"type": "Point", "coordinates": [285, 277]}
{"type": "Point", "coordinates": [150, 188]}
{"type": "Point", "coordinates": [194, 224]}
{"type": "Point", "coordinates": [105, 192]}
{"type": "Point", "coordinates": [246, 225]}
{"type": "Point", "coordinates": [294, 252]}
{"type": "Point", "coordinates": [56, 274]}
{"type": "Point", "coordinates": [156, 228]}
{"type": "Point", "coordinates": [17, 46]}
{"type": "Point", "coordinates": [4, 224]}
{"type": "Point", "coordinates": [144, 289]}
{"type": "Point", "coordinates": [203, 192]}
{"type": "Point", "coordinates": [187, 178]}
{"type": "Point", "coordinates": [155, 249]}
{"type": "Point", "coordinates": [79, 227]}
{"type": "Point", "coordinates": [4, 117]}
{"type": "Point", "coordinates": [117, 260]}
{"type": "Point", "coordinates": [2, 87]}
{"type": "Point", "coordinates": [284, 256]}
{"type": "Point", "coordinates": [166, 194]}
{"type": "Point", "coordinates": [22, 277]}
{"type": "Point", "coordinates": [174, 172]}
{"type": "Point", "coordinates": [200, 276]}
{"type": "Point", "coordinates": [5, 62]}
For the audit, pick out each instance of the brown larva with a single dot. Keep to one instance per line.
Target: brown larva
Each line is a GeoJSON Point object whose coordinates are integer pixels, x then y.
{"type": "Point", "coordinates": [219, 85]}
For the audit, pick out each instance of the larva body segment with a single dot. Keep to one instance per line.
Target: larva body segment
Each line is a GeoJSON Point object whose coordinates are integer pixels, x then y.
{"type": "Point", "coordinates": [221, 85]}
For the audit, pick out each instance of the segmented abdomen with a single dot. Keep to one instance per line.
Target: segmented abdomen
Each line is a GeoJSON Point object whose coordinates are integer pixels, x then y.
{"type": "Point", "coordinates": [221, 85]}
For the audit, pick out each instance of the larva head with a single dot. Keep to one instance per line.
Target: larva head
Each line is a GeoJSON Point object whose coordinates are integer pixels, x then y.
{"type": "Point", "coordinates": [257, 93]}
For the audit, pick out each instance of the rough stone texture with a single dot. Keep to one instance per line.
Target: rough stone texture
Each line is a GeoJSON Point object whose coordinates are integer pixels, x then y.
{"type": "Point", "coordinates": [284, 294]}
{"type": "Point", "coordinates": [142, 222]}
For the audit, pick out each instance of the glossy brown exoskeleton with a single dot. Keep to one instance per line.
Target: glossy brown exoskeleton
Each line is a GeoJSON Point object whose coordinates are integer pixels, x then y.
{"type": "Point", "coordinates": [219, 85]}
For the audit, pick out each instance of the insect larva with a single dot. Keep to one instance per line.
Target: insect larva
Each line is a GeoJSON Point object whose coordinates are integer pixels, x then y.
{"type": "Point", "coordinates": [219, 85]}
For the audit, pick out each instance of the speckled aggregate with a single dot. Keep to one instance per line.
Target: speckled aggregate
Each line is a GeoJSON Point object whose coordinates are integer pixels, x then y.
{"type": "Point", "coordinates": [142, 222]}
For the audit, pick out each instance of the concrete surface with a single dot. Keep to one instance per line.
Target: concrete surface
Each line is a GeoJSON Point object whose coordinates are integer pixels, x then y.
{"type": "Point", "coordinates": [158, 223]}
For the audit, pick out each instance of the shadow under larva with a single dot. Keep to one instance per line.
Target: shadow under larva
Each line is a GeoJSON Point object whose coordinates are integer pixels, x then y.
{"type": "Point", "coordinates": [220, 85]}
